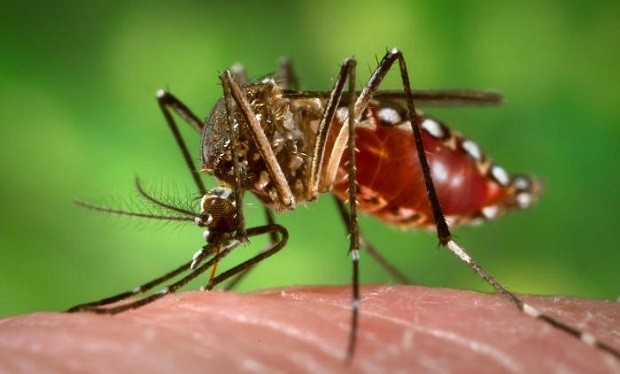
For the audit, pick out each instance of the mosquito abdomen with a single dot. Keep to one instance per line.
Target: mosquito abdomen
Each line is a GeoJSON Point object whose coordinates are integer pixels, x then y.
{"type": "Point", "coordinates": [470, 186]}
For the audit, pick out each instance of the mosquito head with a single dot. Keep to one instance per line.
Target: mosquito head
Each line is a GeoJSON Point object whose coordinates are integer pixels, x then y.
{"type": "Point", "coordinates": [218, 212]}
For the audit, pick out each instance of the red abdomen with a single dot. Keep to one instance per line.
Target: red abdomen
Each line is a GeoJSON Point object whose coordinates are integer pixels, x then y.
{"type": "Point", "coordinates": [390, 182]}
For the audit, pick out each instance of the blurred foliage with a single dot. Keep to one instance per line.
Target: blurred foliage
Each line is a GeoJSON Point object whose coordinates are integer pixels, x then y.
{"type": "Point", "coordinates": [79, 119]}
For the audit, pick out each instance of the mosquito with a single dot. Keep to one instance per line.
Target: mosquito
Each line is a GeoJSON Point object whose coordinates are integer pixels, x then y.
{"type": "Point", "coordinates": [287, 146]}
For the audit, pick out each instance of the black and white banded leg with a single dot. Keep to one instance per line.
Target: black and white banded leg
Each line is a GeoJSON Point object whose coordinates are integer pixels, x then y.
{"type": "Point", "coordinates": [198, 265]}
{"type": "Point", "coordinates": [374, 253]}
{"type": "Point", "coordinates": [443, 232]}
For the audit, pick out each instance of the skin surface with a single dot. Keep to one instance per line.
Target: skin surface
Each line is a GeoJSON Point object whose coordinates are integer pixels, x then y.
{"type": "Point", "coordinates": [402, 328]}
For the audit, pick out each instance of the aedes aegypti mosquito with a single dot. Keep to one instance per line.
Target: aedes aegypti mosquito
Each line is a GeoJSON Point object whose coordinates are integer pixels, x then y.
{"type": "Point", "coordinates": [287, 146]}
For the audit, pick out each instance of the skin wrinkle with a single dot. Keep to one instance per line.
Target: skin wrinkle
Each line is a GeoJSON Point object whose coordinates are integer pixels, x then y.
{"type": "Point", "coordinates": [26, 365]}
{"type": "Point", "coordinates": [316, 342]}
{"type": "Point", "coordinates": [250, 365]}
{"type": "Point", "coordinates": [312, 344]}
{"type": "Point", "coordinates": [204, 354]}
{"type": "Point", "coordinates": [419, 333]}
{"type": "Point", "coordinates": [164, 332]}
{"type": "Point", "coordinates": [312, 340]}
{"type": "Point", "coordinates": [476, 347]}
{"type": "Point", "coordinates": [201, 352]}
{"type": "Point", "coordinates": [561, 308]}
{"type": "Point", "coordinates": [6, 319]}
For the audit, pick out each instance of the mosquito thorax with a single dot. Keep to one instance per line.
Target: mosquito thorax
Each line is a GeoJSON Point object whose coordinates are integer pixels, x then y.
{"type": "Point", "coordinates": [290, 127]}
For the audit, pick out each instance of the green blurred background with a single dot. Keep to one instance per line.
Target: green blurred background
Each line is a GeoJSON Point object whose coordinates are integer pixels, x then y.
{"type": "Point", "coordinates": [79, 119]}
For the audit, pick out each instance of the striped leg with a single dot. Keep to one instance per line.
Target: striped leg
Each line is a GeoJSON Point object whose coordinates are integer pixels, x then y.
{"type": "Point", "coordinates": [376, 255]}
{"type": "Point", "coordinates": [527, 308]}
{"type": "Point", "coordinates": [223, 247]}
{"type": "Point", "coordinates": [288, 80]}
{"type": "Point", "coordinates": [443, 232]}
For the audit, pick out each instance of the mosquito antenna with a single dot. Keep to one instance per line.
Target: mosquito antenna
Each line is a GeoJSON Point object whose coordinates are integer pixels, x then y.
{"type": "Point", "coordinates": [160, 203]}
{"type": "Point", "coordinates": [130, 213]}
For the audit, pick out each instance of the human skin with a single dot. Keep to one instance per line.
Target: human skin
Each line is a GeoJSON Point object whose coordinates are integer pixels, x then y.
{"type": "Point", "coordinates": [402, 328]}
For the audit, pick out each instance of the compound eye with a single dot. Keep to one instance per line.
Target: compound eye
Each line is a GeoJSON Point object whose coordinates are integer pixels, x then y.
{"type": "Point", "coordinates": [218, 211]}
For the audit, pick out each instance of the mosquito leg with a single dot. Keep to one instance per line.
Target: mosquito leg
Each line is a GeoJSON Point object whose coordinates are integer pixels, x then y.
{"type": "Point", "coordinates": [272, 229]}
{"type": "Point", "coordinates": [168, 102]}
{"type": "Point", "coordinates": [323, 129]}
{"type": "Point", "coordinates": [347, 73]}
{"type": "Point", "coordinates": [170, 288]}
{"type": "Point", "coordinates": [273, 239]}
{"type": "Point", "coordinates": [97, 306]}
{"type": "Point", "coordinates": [232, 90]}
{"type": "Point", "coordinates": [235, 157]}
{"type": "Point", "coordinates": [443, 232]}
{"type": "Point", "coordinates": [138, 290]}
{"type": "Point", "coordinates": [376, 255]}
{"type": "Point", "coordinates": [273, 236]}
{"type": "Point", "coordinates": [527, 308]}
{"type": "Point", "coordinates": [354, 242]}
{"type": "Point", "coordinates": [287, 79]}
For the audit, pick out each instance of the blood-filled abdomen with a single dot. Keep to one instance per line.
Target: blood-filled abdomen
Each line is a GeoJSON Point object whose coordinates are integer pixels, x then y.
{"type": "Point", "coordinates": [390, 182]}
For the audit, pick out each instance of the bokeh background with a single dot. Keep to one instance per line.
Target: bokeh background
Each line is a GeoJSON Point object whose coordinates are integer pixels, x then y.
{"type": "Point", "coordinates": [79, 119]}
